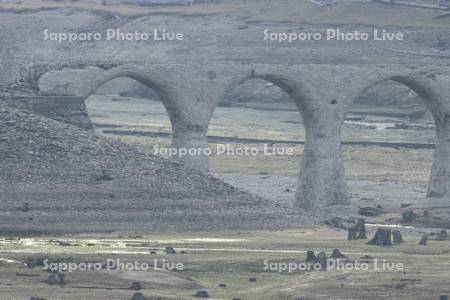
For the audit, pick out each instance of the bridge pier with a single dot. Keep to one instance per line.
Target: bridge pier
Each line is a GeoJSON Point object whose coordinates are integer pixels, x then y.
{"type": "Point", "coordinates": [439, 186]}
{"type": "Point", "coordinates": [191, 144]}
{"type": "Point", "coordinates": [322, 177]}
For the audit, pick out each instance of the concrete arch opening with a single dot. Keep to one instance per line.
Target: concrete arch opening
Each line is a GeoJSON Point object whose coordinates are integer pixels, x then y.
{"type": "Point", "coordinates": [256, 136]}
{"type": "Point", "coordinates": [131, 110]}
{"type": "Point", "coordinates": [391, 132]}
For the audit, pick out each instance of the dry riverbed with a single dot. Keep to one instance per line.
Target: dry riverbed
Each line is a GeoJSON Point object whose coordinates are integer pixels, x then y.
{"type": "Point", "coordinates": [222, 264]}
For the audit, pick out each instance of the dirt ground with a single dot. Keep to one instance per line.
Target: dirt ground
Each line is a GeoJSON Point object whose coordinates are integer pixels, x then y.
{"type": "Point", "coordinates": [245, 264]}
{"type": "Point", "coordinates": [222, 264]}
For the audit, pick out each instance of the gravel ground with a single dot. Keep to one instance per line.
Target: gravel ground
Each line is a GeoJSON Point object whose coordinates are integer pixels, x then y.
{"type": "Point", "coordinates": [57, 178]}
{"type": "Point", "coordinates": [393, 197]}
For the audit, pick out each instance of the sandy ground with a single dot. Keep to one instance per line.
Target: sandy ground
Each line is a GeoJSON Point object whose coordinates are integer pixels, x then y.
{"type": "Point", "coordinates": [389, 195]}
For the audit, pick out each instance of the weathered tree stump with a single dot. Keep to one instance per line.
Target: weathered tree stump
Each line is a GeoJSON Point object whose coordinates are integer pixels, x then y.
{"type": "Point", "coordinates": [170, 250]}
{"type": "Point", "coordinates": [310, 256]}
{"type": "Point", "coordinates": [25, 207]}
{"type": "Point", "coordinates": [138, 296]}
{"type": "Point", "coordinates": [337, 254]}
{"type": "Point", "coordinates": [357, 231]}
{"type": "Point", "coordinates": [322, 260]}
{"type": "Point", "coordinates": [136, 286]}
{"type": "Point", "coordinates": [423, 240]}
{"type": "Point", "coordinates": [361, 229]}
{"type": "Point", "coordinates": [56, 279]}
{"type": "Point", "coordinates": [443, 235]}
{"type": "Point", "coordinates": [383, 237]}
{"type": "Point", "coordinates": [443, 297]}
{"type": "Point", "coordinates": [202, 294]}
{"type": "Point", "coordinates": [409, 216]}
{"type": "Point", "coordinates": [352, 233]}
{"type": "Point", "coordinates": [397, 236]}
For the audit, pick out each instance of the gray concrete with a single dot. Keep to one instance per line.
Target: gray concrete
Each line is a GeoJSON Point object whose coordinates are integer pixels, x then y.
{"type": "Point", "coordinates": [323, 94]}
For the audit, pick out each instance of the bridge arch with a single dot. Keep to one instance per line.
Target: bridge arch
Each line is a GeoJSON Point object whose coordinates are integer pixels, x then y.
{"type": "Point", "coordinates": [297, 92]}
{"type": "Point", "coordinates": [438, 185]}
{"type": "Point", "coordinates": [152, 82]}
{"type": "Point", "coordinates": [429, 96]}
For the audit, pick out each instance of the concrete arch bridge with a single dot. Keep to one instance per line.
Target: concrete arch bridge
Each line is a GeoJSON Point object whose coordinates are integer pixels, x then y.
{"type": "Point", "coordinates": [323, 95]}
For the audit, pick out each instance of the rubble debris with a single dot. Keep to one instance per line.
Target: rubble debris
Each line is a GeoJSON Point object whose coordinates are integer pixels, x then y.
{"type": "Point", "coordinates": [25, 207]}
{"type": "Point", "coordinates": [371, 211]}
{"type": "Point", "coordinates": [201, 294]}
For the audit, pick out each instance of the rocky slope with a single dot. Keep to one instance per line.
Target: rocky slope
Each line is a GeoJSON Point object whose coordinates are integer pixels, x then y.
{"type": "Point", "coordinates": [58, 178]}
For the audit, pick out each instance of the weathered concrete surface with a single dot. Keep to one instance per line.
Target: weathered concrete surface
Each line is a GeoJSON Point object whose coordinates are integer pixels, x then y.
{"type": "Point", "coordinates": [323, 94]}
{"type": "Point", "coordinates": [64, 108]}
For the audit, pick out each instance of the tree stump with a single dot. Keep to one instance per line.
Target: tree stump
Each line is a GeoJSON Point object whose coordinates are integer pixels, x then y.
{"type": "Point", "coordinates": [443, 297]}
{"type": "Point", "coordinates": [352, 233]}
{"type": "Point", "coordinates": [310, 256]}
{"type": "Point", "coordinates": [383, 237]}
{"type": "Point", "coordinates": [56, 278]}
{"type": "Point", "coordinates": [170, 250]}
{"type": "Point", "coordinates": [137, 296]}
{"type": "Point", "coordinates": [423, 240]}
{"type": "Point", "coordinates": [25, 207]}
{"type": "Point", "coordinates": [322, 260]}
{"type": "Point", "coordinates": [136, 286]}
{"type": "Point", "coordinates": [357, 231]}
{"type": "Point", "coordinates": [361, 229]}
{"type": "Point", "coordinates": [337, 254]}
{"type": "Point", "coordinates": [409, 216]}
{"type": "Point", "coordinates": [443, 235]}
{"type": "Point", "coordinates": [397, 236]}
{"type": "Point", "coordinates": [202, 294]}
